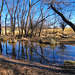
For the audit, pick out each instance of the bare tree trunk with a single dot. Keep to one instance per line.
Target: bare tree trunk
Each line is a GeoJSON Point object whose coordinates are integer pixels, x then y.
{"type": "Point", "coordinates": [12, 15]}
{"type": "Point", "coordinates": [26, 27]}
{"type": "Point", "coordinates": [40, 28]}
{"type": "Point", "coordinates": [18, 23]}
{"type": "Point", "coordinates": [5, 25]}
{"type": "Point", "coordinates": [22, 24]}
{"type": "Point", "coordinates": [14, 25]}
{"type": "Point", "coordinates": [42, 19]}
{"type": "Point", "coordinates": [0, 14]}
{"type": "Point", "coordinates": [27, 22]}
{"type": "Point", "coordinates": [64, 19]}
{"type": "Point", "coordinates": [22, 28]}
{"type": "Point", "coordinates": [11, 23]}
{"type": "Point", "coordinates": [15, 17]}
{"type": "Point", "coordinates": [0, 23]}
{"type": "Point", "coordinates": [31, 27]}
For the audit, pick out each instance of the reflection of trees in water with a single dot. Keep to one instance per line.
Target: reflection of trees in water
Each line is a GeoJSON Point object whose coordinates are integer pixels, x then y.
{"type": "Point", "coordinates": [63, 52]}
{"type": "Point", "coordinates": [13, 52]}
{"type": "Point", "coordinates": [1, 48]}
{"type": "Point", "coordinates": [62, 46]}
{"type": "Point", "coordinates": [62, 49]}
{"type": "Point", "coordinates": [22, 49]}
{"type": "Point", "coordinates": [19, 51]}
{"type": "Point", "coordinates": [6, 48]}
{"type": "Point", "coordinates": [26, 50]}
{"type": "Point", "coordinates": [53, 52]}
{"type": "Point", "coordinates": [41, 54]}
{"type": "Point", "coordinates": [27, 57]}
{"type": "Point", "coordinates": [31, 51]}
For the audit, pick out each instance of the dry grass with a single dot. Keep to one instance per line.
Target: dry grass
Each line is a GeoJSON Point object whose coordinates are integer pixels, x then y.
{"type": "Point", "coordinates": [44, 31]}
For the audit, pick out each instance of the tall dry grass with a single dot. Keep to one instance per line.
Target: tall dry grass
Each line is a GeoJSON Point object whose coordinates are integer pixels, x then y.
{"type": "Point", "coordinates": [67, 31]}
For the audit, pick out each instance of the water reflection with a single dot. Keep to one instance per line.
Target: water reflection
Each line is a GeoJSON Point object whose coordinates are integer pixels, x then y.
{"type": "Point", "coordinates": [0, 48]}
{"type": "Point", "coordinates": [35, 52]}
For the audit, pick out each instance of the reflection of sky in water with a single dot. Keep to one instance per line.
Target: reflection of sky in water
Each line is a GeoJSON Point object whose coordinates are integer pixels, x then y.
{"type": "Point", "coordinates": [44, 54]}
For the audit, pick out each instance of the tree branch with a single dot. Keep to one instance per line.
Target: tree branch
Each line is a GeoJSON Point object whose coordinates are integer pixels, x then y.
{"type": "Point", "coordinates": [64, 19]}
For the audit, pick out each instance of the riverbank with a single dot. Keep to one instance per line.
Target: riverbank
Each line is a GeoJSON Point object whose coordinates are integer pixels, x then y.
{"type": "Point", "coordinates": [16, 67]}
{"type": "Point", "coordinates": [60, 40]}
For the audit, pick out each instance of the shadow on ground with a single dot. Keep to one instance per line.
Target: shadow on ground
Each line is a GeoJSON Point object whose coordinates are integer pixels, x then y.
{"type": "Point", "coordinates": [18, 68]}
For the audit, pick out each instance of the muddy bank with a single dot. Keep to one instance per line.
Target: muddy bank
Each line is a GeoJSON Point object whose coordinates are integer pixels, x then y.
{"type": "Point", "coordinates": [69, 40]}
{"type": "Point", "coordinates": [16, 67]}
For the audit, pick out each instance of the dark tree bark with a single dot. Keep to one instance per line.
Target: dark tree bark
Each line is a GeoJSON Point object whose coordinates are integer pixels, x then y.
{"type": "Point", "coordinates": [5, 25]}
{"type": "Point", "coordinates": [64, 19]}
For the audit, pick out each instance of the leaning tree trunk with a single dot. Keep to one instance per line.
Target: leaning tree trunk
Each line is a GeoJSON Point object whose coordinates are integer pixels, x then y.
{"type": "Point", "coordinates": [64, 19]}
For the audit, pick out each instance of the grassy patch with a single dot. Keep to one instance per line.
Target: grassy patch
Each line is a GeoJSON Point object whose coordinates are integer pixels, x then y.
{"type": "Point", "coordinates": [69, 62]}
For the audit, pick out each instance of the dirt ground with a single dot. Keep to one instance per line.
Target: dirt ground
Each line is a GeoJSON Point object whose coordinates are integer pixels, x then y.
{"type": "Point", "coordinates": [16, 67]}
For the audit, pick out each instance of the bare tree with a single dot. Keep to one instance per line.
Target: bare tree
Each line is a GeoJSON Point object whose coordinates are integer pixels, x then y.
{"type": "Point", "coordinates": [26, 26]}
{"type": "Point", "coordinates": [1, 13]}
{"type": "Point", "coordinates": [23, 15]}
{"type": "Point", "coordinates": [12, 11]}
{"type": "Point", "coordinates": [31, 21]}
{"type": "Point", "coordinates": [64, 18]}
{"type": "Point", "coordinates": [41, 9]}
{"type": "Point", "coordinates": [57, 5]}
